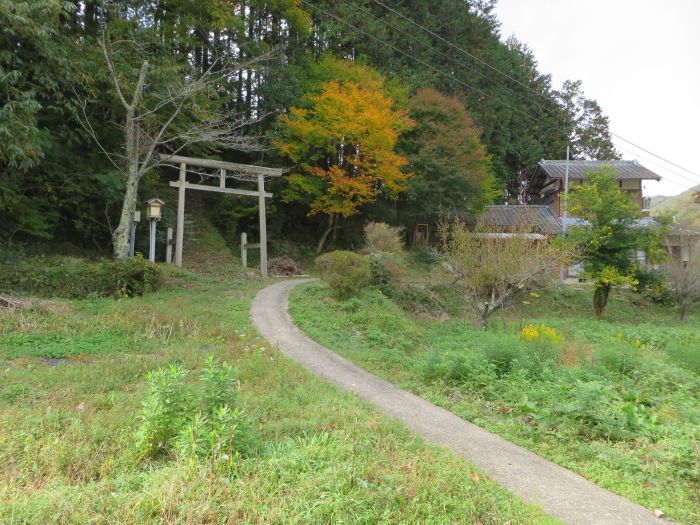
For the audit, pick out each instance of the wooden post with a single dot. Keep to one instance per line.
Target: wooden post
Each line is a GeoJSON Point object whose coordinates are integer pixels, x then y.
{"type": "Point", "coordinates": [263, 226]}
{"type": "Point", "coordinates": [222, 178]}
{"type": "Point", "coordinates": [244, 249]}
{"type": "Point", "coordinates": [169, 246]}
{"type": "Point", "coordinates": [180, 235]}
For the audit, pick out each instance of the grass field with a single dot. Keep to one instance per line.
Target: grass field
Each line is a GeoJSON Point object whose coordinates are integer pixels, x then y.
{"type": "Point", "coordinates": [73, 383]}
{"type": "Point", "coordinates": [617, 401]}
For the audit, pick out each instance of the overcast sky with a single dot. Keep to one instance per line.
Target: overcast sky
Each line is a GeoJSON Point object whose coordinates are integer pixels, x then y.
{"type": "Point", "coordinates": [640, 59]}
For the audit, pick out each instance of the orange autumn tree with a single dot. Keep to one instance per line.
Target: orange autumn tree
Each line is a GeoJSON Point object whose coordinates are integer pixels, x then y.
{"type": "Point", "coordinates": [342, 143]}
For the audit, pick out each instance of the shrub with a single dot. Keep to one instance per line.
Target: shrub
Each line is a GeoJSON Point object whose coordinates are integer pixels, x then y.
{"type": "Point", "coordinates": [78, 279]}
{"type": "Point", "coordinates": [380, 237]}
{"type": "Point", "coordinates": [193, 420]}
{"type": "Point", "coordinates": [467, 369]}
{"type": "Point", "coordinates": [387, 271]}
{"type": "Point", "coordinates": [164, 410]}
{"type": "Point", "coordinates": [503, 354]}
{"type": "Point", "coordinates": [653, 286]}
{"type": "Point", "coordinates": [426, 255]}
{"type": "Point", "coordinates": [133, 276]}
{"type": "Point", "coordinates": [346, 272]}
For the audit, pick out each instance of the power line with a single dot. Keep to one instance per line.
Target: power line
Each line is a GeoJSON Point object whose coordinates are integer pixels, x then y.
{"type": "Point", "coordinates": [474, 57]}
{"type": "Point", "coordinates": [666, 170]}
{"type": "Point", "coordinates": [430, 66]}
{"type": "Point", "coordinates": [522, 84]}
{"type": "Point", "coordinates": [470, 86]}
{"type": "Point", "coordinates": [445, 55]}
{"type": "Point", "coordinates": [657, 156]}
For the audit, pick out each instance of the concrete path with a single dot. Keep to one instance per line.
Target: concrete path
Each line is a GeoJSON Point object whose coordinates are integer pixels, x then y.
{"type": "Point", "coordinates": [558, 491]}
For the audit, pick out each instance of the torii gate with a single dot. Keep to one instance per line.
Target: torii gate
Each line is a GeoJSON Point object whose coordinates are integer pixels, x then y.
{"type": "Point", "coordinates": [244, 171]}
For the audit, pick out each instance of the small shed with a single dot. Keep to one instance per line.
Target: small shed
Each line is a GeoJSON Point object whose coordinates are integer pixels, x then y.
{"type": "Point", "coordinates": [681, 242]}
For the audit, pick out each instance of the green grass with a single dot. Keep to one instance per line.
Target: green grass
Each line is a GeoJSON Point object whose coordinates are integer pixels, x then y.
{"type": "Point", "coordinates": [617, 401]}
{"type": "Point", "coordinates": [67, 426]}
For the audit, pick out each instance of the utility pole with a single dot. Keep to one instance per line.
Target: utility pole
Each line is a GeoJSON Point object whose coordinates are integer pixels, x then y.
{"type": "Point", "coordinates": [566, 191]}
{"type": "Point", "coordinates": [565, 212]}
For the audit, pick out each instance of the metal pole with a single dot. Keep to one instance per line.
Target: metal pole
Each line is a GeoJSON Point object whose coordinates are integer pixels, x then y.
{"type": "Point", "coordinates": [566, 190]}
{"type": "Point", "coordinates": [152, 251]}
{"type": "Point", "coordinates": [565, 213]}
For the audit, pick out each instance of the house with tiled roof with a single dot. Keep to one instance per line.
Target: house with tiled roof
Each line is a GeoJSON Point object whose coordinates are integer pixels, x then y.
{"type": "Point", "coordinates": [547, 182]}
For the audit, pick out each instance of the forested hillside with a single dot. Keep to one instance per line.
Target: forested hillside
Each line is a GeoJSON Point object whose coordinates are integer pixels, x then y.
{"type": "Point", "coordinates": [374, 114]}
{"type": "Point", "coordinates": [682, 206]}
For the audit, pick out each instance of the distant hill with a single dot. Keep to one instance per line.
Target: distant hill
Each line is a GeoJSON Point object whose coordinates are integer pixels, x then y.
{"type": "Point", "coordinates": [683, 206]}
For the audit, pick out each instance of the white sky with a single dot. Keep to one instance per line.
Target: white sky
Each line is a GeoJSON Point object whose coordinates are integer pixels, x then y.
{"type": "Point", "coordinates": [640, 59]}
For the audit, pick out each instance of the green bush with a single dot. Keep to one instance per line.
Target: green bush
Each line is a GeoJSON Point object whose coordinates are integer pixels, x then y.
{"type": "Point", "coordinates": [387, 271]}
{"type": "Point", "coordinates": [346, 272]}
{"type": "Point", "coordinates": [78, 278]}
{"type": "Point", "coordinates": [426, 255]}
{"type": "Point", "coordinates": [464, 368]}
{"type": "Point", "coordinates": [133, 276]}
{"type": "Point", "coordinates": [164, 411]}
{"type": "Point", "coordinates": [194, 420]}
{"type": "Point", "coordinates": [653, 286]}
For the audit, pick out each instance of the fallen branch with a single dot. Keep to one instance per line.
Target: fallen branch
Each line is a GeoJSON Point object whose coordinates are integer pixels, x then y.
{"type": "Point", "coordinates": [12, 303]}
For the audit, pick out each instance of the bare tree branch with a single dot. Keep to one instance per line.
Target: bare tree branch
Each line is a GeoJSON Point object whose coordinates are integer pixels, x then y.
{"type": "Point", "coordinates": [102, 41]}
{"type": "Point", "coordinates": [84, 121]}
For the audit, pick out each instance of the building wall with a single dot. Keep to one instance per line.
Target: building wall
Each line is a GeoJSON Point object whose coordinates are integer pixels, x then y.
{"type": "Point", "coordinates": [633, 189]}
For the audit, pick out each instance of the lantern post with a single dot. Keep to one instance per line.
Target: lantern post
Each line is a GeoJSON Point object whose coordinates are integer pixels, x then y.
{"type": "Point", "coordinates": [154, 209]}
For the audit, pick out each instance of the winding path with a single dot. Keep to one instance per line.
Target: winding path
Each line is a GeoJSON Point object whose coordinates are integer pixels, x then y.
{"type": "Point", "coordinates": [560, 492]}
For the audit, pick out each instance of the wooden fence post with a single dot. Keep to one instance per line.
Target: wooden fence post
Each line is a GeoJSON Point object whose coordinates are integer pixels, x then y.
{"type": "Point", "coordinates": [244, 249]}
{"type": "Point", "coordinates": [169, 246]}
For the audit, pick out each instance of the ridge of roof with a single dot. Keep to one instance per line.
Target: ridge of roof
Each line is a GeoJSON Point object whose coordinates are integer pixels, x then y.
{"type": "Point", "coordinates": [516, 206]}
{"type": "Point", "coordinates": [501, 217]}
{"type": "Point", "coordinates": [627, 169]}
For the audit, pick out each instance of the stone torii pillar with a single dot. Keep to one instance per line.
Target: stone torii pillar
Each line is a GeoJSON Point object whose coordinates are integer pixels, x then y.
{"type": "Point", "coordinates": [262, 219]}
{"type": "Point", "coordinates": [180, 232]}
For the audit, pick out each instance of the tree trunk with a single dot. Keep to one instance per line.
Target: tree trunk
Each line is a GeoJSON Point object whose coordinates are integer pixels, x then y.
{"type": "Point", "coordinates": [327, 231]}
{"type": "Point", "coordinates": [335, 229]}
{"type": "Point", "coordinates": [120, 236]}
{"type": "Point", "coordinates": [483, 312]}
{"type": "Point", "coordinates": [600, 300]}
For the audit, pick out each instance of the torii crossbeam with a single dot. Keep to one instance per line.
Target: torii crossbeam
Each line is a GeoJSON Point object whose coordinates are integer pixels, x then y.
{"type": "Point", "coordinates": [254, 172]}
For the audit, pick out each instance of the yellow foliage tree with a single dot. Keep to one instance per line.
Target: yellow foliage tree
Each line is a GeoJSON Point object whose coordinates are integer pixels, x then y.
{"type": "Point", "coordinates": [342, 143]}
